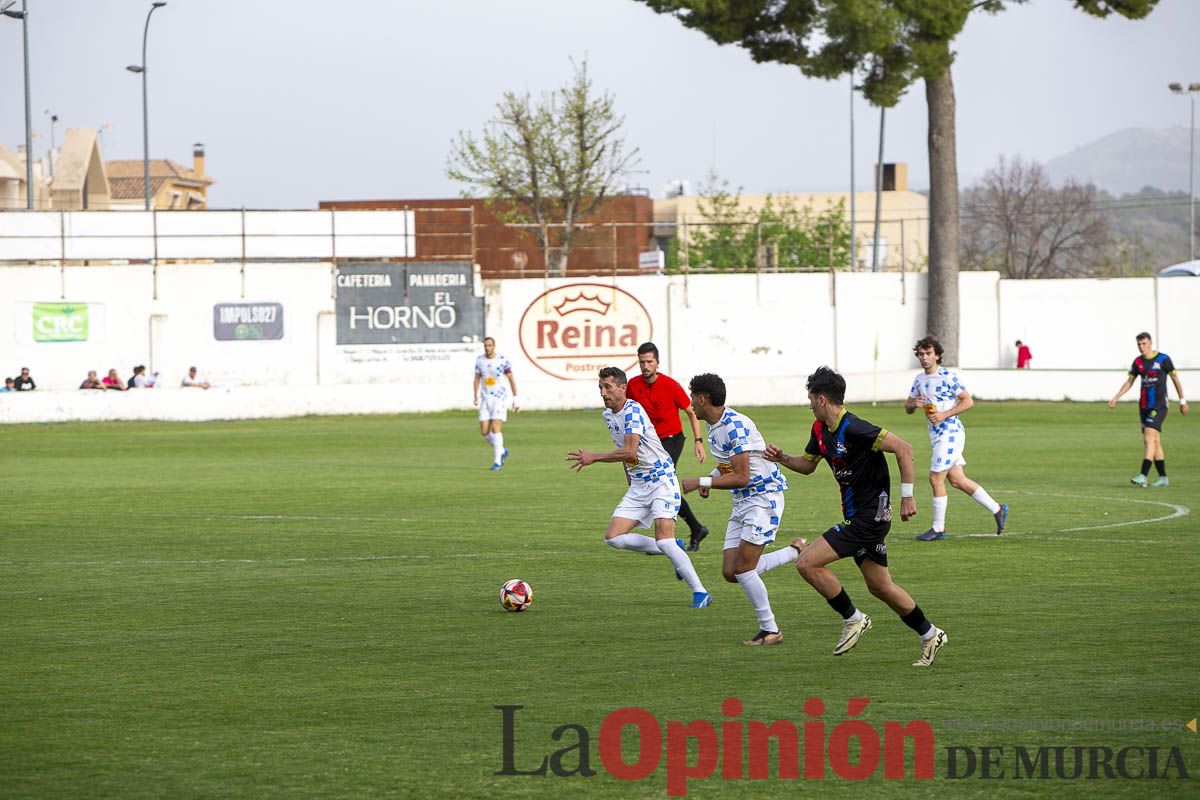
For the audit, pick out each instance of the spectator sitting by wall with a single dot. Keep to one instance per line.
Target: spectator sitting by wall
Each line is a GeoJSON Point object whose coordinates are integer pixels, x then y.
{"type": "Point", "coordinates": [140, 380]}
{"type": "Point", "coordinates": [24, 383]}
{"type": "Point", "coordinates": [113, 381]}
{"type": "Point", "coordinates": [8, 386]}
{"type": "Point", "coordinates": [92, 382]}
{"type": "Point", "coordinates": [193, 380]}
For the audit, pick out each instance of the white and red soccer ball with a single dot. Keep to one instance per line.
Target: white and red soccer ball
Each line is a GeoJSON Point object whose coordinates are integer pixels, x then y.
{"type": "Point", "coordinates": [516, 595]}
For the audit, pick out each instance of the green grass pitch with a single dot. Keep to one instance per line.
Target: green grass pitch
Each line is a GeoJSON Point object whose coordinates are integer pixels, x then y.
{"type": "Point", "coordinates": [308, 607]}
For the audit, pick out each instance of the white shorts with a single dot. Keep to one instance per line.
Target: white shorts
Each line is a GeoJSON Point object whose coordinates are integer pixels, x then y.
{"type": "Point", "coordinates": [948, 451]}
{"type": "Point", "coordinates": [646, 502]}
{"type": "Point", "coordinates": [493, 407]}
{"type": "Point", "coordinates": [754, 519]}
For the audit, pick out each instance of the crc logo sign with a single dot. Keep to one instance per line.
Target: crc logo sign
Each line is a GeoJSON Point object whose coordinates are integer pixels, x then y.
{"type": "Point", "coordinates": [60, 322]}
{"type": "Point", "coordinates": [576, 330]}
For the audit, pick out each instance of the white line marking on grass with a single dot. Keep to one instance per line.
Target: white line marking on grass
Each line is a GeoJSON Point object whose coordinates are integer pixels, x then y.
{"type": "Point", "coordinates": [205, 561]}
{"type": "Point", "coordinates": [1040, 537]}
{"type": "Point", "coordinates": [1176, 511]}
{"type": "Point", "coordinates": [268, 516]}
{"type": "Point", "coordinates": [298, 518]}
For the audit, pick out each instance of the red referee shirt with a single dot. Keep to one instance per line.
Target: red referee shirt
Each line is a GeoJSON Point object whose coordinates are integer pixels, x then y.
{"type": "Point", "coordinates": [663, 400]}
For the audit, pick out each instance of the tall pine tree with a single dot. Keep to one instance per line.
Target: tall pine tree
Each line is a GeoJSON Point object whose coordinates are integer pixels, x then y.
{"type": "Point", "coordinates": [889, 45]}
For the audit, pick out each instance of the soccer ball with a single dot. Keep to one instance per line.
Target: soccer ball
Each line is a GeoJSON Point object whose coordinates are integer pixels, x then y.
{"type": "Point", "coordinates": [516, 595]}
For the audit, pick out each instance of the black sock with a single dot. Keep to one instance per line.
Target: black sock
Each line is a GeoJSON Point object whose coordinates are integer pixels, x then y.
{"type": "Point", "coordinates": [915, 619]}
{"type": "Point", "coordinates": [842, 605]}
{"type": "Point", "coordinates": [1145, 466]}
{"type": "Point", "coordinates": [1161, 465]}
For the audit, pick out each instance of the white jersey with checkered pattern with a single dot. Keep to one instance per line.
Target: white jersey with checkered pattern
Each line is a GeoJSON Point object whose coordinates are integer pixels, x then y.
{"type": "Point", "coordinates": [491, 372]}
{"type": "Point", "coordinates": [653, 462]}
{"type": "Point", "coordinates": [942, 388]}
{"type": "Point", "coordinates": [736, 433]}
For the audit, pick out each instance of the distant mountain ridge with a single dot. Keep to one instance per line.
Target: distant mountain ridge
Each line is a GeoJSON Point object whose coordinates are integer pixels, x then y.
{"type": "Point", "coordinates": [1128, 160]}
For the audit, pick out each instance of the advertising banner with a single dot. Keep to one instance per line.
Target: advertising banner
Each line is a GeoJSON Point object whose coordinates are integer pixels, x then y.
{"type": "Point", "coordinates": [60, 322]}
{"type": "Point", "coordinates": [572, 331]}
{"type": "Point", "coordinates": [242, 322]}
{"type": "Point", "coordinates": [419, 303]}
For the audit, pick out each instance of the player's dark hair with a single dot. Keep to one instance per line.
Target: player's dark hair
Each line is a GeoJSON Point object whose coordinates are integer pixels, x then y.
{"type": "Point", "coordinates": [828, 383]}
{"type": "Point", "coordinates": [1144, 335]}
{"type": "Point", "coordinates": [648, 347]}
{"type": "Point", "coordinates": [1018, 342]}
{"type": "Point", "coordinates": [930, 341]}
{"type": "Point", "coordinates": [489, 339]}
{"type": "Point", "coordinates": [710, 385]}
{"type": "Point", "coordinates": [616, 373]}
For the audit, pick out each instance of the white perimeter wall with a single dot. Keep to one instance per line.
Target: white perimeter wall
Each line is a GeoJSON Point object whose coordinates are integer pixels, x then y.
{"type": "Point", "coordinates": [762, 333]}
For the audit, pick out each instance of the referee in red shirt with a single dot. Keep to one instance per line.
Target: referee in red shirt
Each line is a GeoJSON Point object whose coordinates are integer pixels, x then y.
{"type": "Point", "coordinates": [663, 398]}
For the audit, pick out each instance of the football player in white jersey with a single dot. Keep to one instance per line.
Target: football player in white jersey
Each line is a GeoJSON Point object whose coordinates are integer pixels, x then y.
{"type": "Point", "coordinates": [940, 392]}
{"type": "Point", "coordinates": [652, 500]}
{"type": "Point", "coordinates": [757, 487]}
{"type": "Point", "coordinates": [491, 395]}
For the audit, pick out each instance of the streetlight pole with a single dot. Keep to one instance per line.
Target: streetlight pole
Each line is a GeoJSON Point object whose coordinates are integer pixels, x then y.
{"type": "Point", "coordinates": [853, 243]}
{"type": "Point", "coordinates": [145, 105]}
{"type": "Point", "coordinates": [1191, 91]}
{"type": "Point", "coordinates": [53, 120]}
{"type": "Point", "coordinates": [878, 194]}
{"type": "Point", "coordinates": [23, 15]}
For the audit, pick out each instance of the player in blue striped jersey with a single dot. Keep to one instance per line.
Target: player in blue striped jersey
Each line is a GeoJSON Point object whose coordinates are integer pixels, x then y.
{"type": "Point", "coordinates": [757, 487]}
{"type": "Point", "coordinates": [940, 392]}
{"type": "Point", "coordinates": [652, 500]}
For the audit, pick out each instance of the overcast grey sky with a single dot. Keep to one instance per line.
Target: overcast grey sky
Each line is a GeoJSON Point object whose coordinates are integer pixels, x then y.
{"type": "Point", "coordinates": [299, 101]}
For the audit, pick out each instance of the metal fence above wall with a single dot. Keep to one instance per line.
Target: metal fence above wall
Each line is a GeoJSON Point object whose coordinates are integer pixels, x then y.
{"type": "Point", "coordinates": [58, 236]}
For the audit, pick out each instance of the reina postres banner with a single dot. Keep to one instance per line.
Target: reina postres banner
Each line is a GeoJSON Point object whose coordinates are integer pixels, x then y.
{"type": "Point", "coordinates": [60, 322]}
{"type": "Point", "coordinates": [576, 330]}
{"type": "Point", "coordinates": [419, 303]}
{"type": "Point", "coordinates": [247, 322]}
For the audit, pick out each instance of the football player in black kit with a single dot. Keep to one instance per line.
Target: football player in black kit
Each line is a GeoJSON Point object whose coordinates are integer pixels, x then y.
{"type": "Point", "coordinates": [1152, 367]}
{"type": "Point", "coordinates": [854, 450]}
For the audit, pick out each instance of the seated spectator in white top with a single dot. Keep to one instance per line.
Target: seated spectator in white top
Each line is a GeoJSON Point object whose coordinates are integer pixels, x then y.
{"type": "Point", "coordinates": [193, 380]}
{"type": "Point", "coordinates": [139, 379]}
{"type": "Point", "coordinates": [92, 382]}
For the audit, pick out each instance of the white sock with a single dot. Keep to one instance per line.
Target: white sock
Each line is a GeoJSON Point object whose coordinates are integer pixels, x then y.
{"type": "Point", "coordinates": [683, 565]}
{"type": "Point", "coordinates": [929, 634]}
{"type": "Point", "coordinates": [776, 558]}
{"type": "Point", "coordinates": [984, 499]}
{"type": "Point", "coordinates": [634, 541]}
{"type": "Point", "coordinates": [489, 439]}
{"type": "Point", "coordinates": [855, 617]}
{"type": "Point", "coordinates": [939, 512]}
{"type": "Point", "coordinates": [756, 593]}
{"type": "Point", "coordinates": [498, 446]}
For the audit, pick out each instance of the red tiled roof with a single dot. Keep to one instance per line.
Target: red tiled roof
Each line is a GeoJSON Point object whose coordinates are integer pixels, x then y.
{"type": "Point", "coordinates": [126, 177]}
{"type": "Point", "coordinates": [133, 188]}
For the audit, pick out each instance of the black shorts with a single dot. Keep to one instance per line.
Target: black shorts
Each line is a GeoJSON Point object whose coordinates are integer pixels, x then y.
{"type": "Point", "coordinates": [674, 446]}
{"type": "Point", "coordinates": [861, 539]}
{"type": "Point", "coordinates": [1152, 417]}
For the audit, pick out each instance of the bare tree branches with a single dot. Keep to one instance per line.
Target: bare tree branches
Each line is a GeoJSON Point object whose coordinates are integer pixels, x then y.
{"type": "Point", "coordinates": [551, 161]}
{"type": "Point", "coordinates": [1019, 224]}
